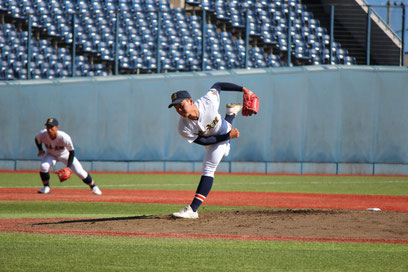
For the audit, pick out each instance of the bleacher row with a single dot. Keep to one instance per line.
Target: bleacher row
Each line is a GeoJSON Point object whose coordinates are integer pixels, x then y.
{"type": "Point", "coordinates": [180, 46]}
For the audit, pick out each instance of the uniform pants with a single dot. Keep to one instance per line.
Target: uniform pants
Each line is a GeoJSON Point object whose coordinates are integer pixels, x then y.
{"type": "Point", "coordinates": [50, 160]}
{"type": "Point", "coordinates": [213, 157]}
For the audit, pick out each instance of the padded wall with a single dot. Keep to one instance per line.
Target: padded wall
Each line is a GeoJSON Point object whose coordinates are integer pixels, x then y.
{"type": "Point", "coordinates": [307, 114]}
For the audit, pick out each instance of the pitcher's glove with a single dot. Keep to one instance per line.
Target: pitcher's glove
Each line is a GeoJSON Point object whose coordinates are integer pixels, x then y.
{"type": "Point", "coordinates": [251, 103]}
{"type": "Point", "coordinates": [64, 174]}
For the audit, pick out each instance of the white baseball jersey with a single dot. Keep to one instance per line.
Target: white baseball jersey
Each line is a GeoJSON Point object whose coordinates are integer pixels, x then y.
{"type": "Point", "coordinates": [209, 122]}
{"type": "Point", "coordinates": [58, 147]}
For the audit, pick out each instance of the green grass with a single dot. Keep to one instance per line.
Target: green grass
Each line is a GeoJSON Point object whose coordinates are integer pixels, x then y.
{"type": "Point", "coordinates": [36, 252]}
{"type": "Point", "coordinates": [45, 252]}
{"type": "Point", "coordinates": [371, 185]}
{"type": "Point", "coordinates": [61, 209]}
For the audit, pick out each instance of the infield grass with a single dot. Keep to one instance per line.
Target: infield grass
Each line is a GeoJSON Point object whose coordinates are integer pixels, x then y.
{"type": "Point", "coordinates": [37, 252]}
{"type": "Point", "coordinates": [370, 185]}
{"type": "Point", "coordinates": [46, 252]}
{"type": "Point", "coordinates": [61, 209]}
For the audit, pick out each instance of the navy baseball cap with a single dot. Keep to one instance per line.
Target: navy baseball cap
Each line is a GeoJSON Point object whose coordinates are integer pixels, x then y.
{"type": "Point", "coordinates": [52, 122]}
{"type": "Point", "coordinates": [179, 96]}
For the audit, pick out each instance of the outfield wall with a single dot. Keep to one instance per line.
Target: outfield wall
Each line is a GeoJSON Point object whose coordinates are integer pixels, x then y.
{"type": "Point", "coordinates": [312, 119]}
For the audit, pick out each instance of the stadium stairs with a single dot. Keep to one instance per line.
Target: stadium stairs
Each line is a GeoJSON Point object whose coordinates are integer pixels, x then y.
{"type": "Point", "coordinates": [350, 30]}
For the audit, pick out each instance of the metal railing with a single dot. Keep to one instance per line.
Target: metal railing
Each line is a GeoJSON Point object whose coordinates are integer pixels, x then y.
{"type": "Point", "coordinates": [367, 45]}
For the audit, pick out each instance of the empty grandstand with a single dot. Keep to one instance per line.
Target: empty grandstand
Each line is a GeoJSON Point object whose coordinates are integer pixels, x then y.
{"type": "Point", "coordinates": [64, 38]}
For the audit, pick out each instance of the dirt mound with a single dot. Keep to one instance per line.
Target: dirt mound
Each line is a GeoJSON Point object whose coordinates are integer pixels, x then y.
{"type": "Point", "coordinates": [309, 223]}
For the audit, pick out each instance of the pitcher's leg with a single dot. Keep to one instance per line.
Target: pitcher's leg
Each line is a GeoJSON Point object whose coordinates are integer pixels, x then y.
{"type": "Point", "coordinates": [211, 161]}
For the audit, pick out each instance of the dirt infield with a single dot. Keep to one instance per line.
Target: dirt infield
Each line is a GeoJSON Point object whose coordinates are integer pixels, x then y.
{"type": "Point", "coordinates": [300, 217]}
{"type": "Point", "coordinates": [245, 199]}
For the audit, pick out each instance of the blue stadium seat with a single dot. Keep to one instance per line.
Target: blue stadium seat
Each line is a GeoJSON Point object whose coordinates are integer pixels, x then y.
{"type": "Point", "coordinates": [151, 5]}
{"type": "Point", "coordinates": [16, 11]}
{"type": "Point", "coordinates": [181, 64]}
{"type": "Point", "coordinates": [164, 5]}
{"type": "Point", "coordinates": [301, 51]}
{"type": "Point", "coordinates": [258, 57]}
{"type": "Point", "coordinates": [341, 54]}
{"type": "Point", "coordinates": [349, 60]}
{"type": "Point", "coordinates": [266, 2]}
{"type": "Point", "coordinates": [69, 7]}
{"type": "Point", "coordinates": [248, 4]}
{"type": "Point", "coordinates": [306, 17]}
{"type": "Point", "coordinates": [28, 8]}
{"type": "Point", "coordinates": [4, 65]}
{"type": "Point", "coordinates": [221, 10]}
{"type": "Point", "coordinates": [194, 64]}
{"type": "Point", "coordinates": [269, 36]}
{"type": "Point", "coordinates": [326, 57]}
{"type": "Point", "coordinates": [181, 39]}
{"type": "Point", "coordinates": [35, 73]}
{"type": "Point", "coordinates": [274, 61]}
{"type": "Point", "coordinates": [9, 74]}
{"type": "Point", "coordinates": [306, 32]}
{"type": "Point", "coordinates": [4, 7]}
{"type": "Point", "coordinates": [193, 2]}
{"type": "Point", "coordinates": [254, 28]}
{"type": "Point", "coordinates": [100, 69]}
{"type": "Point", "coordinates": [313, 24]}
{"type": "Point", "coordinates": [208, 5]}
{"type": "Point", "coordinates": [167, 65]}
{"type": "Point", "coordinates": [298, 39]}
{"type": "Point", "coordinates": [283, 42]}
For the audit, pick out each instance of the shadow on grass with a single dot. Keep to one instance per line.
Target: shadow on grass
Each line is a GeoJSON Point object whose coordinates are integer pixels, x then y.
{"type": "Point", "coordinates": [94, 220]}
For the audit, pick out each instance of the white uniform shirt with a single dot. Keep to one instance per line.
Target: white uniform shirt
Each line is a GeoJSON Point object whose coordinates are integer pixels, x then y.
{"type": "Point", "coordinates": [209, 121]}
{"type": "Point", "coordinates": [57, 147]}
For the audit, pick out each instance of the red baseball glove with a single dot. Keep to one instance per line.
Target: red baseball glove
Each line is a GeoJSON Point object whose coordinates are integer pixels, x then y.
{"type": "Point", "coordinates": [251, 103]}
{"type": "Point", "coordinates": [64, 174]}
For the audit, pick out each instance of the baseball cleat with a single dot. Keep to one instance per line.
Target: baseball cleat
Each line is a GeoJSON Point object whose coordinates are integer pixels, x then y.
{"type": "Point", "coordinates": [96, 191]}
{"type": "Point", "coordinates": [45, 190]}
{"type": "Point", "coordinates": [186, 213]}
{"type": "Point", "coordinates": [233, 108]}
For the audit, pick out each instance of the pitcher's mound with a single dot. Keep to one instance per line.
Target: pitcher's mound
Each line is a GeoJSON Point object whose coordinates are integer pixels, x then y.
{"type": "Point", "coordinates": [272, 222]}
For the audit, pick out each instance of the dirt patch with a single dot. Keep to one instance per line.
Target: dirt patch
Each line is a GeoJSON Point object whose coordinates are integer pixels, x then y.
{"type": "Point", "coordinates": [302, 223]}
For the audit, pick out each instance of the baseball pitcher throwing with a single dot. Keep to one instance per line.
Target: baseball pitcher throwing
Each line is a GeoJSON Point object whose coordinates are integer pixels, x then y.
{"type": "Point", "coordinates": [59, 148]}
{"type": "Point", "coordinates": [202, 124]}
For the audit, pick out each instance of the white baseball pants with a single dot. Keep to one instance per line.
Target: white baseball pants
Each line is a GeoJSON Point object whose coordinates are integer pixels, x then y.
{"type": "Point", "coordinates": [49, 160]}
{"type": "Point", "coordinates": [213, 157]}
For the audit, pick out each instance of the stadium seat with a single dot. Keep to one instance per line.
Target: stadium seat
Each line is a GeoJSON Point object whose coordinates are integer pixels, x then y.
{"type": "Point", "coordinates": [259, 59]}
{"type": "Point", "coordinates": [341, 54]}
{"type": "Point", "coordinates": [221, 10]}
{"type": "Point", "coordinates": [193, 2]}
{"type": "Point", "coordinates": [283, 42]}
{"type": "Point", "coordinates": [208, 5]}
{"type": "Point", "coordinates": [349, 60]}
{"type": "Point", "coordinates": [248, 4]}
{"type": "Point", "coordinates": [181, 34]}
{"type": "Point", "coordinates": [301, 51]}
{"type": "Point", "coordinates": [164, 5]}
{"type": "Point", "coordinates": [265, 2]}
{"type": "Point", "coordinates": [274, 61]}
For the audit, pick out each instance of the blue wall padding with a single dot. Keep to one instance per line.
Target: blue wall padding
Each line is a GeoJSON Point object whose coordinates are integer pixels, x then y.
{"type": "Point", "coordinates": [307, 114]}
